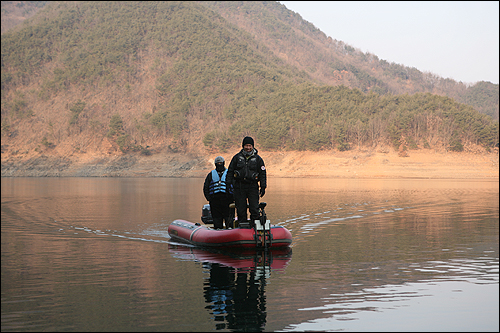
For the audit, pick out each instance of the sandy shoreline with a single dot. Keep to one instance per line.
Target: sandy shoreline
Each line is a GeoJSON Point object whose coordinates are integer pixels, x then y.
{"type": "Point", "coordinates": [424, 164]}
{"type": "Point", "coordinates": [418, 164]}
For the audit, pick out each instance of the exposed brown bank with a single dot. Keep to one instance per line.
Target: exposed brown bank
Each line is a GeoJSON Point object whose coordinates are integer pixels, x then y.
{"type": "Point", "coordinates": [380, 163]}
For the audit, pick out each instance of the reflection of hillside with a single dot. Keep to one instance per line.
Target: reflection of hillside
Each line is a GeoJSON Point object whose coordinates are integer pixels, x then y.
{"type": "Point", "coordinates": [358, 235]}
{"type": "Point", "coordinates": [92, 249]}
{"type": "Point", "coordinates": [347, 288]}
{"type": "Point", "coordinates": [363, 246]}
{"type": "Point", "coordinates": [361, 232]}
{"type": "Point", "coordinates": [73, 216]}
{"type": "Point", "coordinates": [403, 207]}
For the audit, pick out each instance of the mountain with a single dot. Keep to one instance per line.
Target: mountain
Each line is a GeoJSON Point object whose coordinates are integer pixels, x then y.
{"type": "Point", "coordinates": [113, 78]}
{"type": "Point", "coordinates": [327, 60]}
{"type": "Point", "coordinates": [334, 62]}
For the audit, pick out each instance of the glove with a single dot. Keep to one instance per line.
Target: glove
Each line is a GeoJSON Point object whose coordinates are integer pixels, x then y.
{"type": "Point", "coordinates": [262, 191]}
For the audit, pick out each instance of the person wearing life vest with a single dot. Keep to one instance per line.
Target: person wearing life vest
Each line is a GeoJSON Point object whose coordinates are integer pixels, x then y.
{"type": "Point", "coordinates": [245, 172]}
{"type": "Point", "coordinates": [219, 194]}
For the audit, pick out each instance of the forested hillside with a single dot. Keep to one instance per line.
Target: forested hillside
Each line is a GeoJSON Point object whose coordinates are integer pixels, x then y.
{"type": "Point", "coordinates": [146, 77]}
{"type": "Point", "coordinates": [335, 62]}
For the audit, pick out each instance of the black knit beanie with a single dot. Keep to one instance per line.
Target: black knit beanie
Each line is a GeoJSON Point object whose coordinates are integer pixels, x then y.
{"type": "Point", "coordinates": [247, 140]}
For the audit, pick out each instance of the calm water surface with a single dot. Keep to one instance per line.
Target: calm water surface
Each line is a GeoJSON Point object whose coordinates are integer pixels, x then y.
{"type": "Point", "coordinates": [90, 254]}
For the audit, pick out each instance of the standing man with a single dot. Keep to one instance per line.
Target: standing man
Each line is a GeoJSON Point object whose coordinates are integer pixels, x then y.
{"type": "Point", "coordinates": [219, 194]}
{"type": "Point", "coordinates": [245, 172]}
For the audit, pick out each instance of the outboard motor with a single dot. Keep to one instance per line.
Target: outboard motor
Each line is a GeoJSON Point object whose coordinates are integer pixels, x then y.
{"type": "Point", "coordinates": [263, 236]}
{"type": "Point", "coordinates": [206, 215]}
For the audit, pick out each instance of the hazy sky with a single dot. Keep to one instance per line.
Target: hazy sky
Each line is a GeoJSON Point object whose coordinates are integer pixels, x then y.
{"type": "Point", "coordinates": [452, 39]}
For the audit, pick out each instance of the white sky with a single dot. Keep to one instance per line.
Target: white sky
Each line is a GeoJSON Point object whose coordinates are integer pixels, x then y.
{"type": "Point", "coordinates": [452, 39]}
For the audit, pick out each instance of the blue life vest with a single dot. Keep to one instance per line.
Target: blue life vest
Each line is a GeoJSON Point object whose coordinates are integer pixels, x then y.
{"type": "Point", "coordinates": [218, 185]}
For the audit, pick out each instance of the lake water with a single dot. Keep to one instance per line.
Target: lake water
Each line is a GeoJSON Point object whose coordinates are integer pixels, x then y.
{"type": "Point", "coordinates": [93, 254]}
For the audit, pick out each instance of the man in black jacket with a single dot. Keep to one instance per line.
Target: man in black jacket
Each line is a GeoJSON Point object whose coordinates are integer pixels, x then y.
{"type": "Point", "coordinates": [219, 193]}
{"type": "Point", "coordinates": [245, 172]}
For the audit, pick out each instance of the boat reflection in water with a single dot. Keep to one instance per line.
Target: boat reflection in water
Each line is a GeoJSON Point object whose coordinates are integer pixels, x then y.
{"type": "Point", "coordinates": [235, 288]}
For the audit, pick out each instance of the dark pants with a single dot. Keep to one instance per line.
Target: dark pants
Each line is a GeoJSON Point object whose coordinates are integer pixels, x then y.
{"type": "Point", "coordinates": [219, 207]}
{"type": "Point", "coordinates": [242, 193]}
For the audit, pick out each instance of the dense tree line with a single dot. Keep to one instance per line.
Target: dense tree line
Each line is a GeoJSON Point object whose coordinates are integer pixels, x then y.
{"type": "Point", "coordinates": [310, 117]}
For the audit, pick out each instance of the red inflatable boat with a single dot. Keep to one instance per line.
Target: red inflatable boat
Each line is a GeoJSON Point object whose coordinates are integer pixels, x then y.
{"type": "Point", "coordinates": [263, 235]}
{"type": "Point", "coordinates": [200, 235]}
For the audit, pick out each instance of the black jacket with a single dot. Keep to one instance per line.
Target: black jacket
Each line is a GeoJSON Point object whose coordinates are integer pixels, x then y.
{"type": "Point", "coordinates": [250, 170]}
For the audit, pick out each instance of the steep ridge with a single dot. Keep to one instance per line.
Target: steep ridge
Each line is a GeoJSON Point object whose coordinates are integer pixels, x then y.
{"type": "Point", "coordinates": [107, 83]}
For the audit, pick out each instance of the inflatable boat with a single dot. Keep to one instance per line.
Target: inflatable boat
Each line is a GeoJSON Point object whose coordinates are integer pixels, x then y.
{"type": "Point", "coordinates": [261, 235]}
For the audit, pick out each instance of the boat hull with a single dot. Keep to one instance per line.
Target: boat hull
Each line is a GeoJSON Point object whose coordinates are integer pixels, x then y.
{"type": "Point", "coordinates": [200, 235]}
